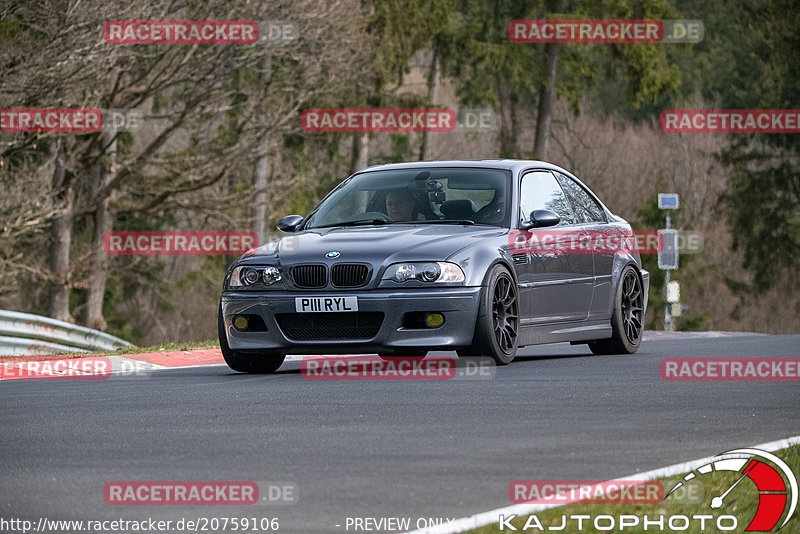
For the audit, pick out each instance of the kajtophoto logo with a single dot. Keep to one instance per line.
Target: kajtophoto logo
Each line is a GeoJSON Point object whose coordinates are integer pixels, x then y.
{"type": "Point", "coordinates": [775, 499]}
{"type": "Point", "coordinates": [774, 483]}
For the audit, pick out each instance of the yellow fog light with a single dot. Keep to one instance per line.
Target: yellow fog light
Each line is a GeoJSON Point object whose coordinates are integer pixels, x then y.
{"type": "Point", "coordinates": [240, 322]}
{"type": "Point", "coordinates": [434, 320]}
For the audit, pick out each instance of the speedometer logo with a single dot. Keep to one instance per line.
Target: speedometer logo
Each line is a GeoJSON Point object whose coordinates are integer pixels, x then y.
{"type": "Point", "coordinates": [774, 497]}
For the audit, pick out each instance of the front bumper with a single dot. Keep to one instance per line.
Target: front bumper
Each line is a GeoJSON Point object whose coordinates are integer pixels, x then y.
{"type": "Point", "coordinates": [459, 305]}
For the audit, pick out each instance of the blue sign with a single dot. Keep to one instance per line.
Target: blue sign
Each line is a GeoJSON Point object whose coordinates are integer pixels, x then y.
{"type": "Point", "coordinates": [668, 201]}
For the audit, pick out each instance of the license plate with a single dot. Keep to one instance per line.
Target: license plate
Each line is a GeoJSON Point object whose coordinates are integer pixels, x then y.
{"type": "Point", "coordinates": [325, 304]}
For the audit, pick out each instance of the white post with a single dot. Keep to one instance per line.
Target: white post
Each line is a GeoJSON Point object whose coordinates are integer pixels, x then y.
{"type": "Point", "coordinates": [667, 316]}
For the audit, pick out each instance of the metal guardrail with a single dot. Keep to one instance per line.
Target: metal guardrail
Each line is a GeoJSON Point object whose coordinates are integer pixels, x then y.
{"type": "Point", "coordinates": [28, 334]}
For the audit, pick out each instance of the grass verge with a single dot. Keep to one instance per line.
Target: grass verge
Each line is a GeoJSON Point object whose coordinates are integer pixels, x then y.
{"type": "Point", "coordinates": [164, 347]}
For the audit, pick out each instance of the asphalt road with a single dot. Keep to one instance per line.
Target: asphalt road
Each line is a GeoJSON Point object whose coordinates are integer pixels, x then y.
{"type": "Point", "coordinates": [416, 449]}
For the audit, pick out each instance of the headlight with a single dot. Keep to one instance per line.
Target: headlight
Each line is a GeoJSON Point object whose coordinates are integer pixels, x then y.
{"type": "Point", "coordinates": [440, 271]}
{"type": "Point", "coordinates": [245, 276]}
{"type": "Point", "coordinates": [248, 276]}
{"type": "Point", "coordinates": [271, 275]}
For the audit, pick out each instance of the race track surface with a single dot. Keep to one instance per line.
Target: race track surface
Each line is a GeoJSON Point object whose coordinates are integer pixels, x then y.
{"type": "Point", "coordinates": [416, 449]}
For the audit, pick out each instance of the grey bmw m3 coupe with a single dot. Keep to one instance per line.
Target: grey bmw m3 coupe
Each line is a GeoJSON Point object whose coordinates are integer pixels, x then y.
{"type": "Point", "coordinates": [480, 257]}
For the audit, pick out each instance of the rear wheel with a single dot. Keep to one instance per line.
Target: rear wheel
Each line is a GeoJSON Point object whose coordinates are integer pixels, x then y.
{"type": "Point", "coordinates": [497, 326]}
{"type": "Point", "coordinates": [262, 362]}
{"type": "Point", "coordinates": [628, 318]}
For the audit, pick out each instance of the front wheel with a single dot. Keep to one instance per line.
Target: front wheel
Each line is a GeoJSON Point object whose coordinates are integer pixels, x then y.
{"type": "Point", "coordinates": [497, 326]}
{"type": "Point", "coordinates": [627, 319]}
{"type": "Point", "coordinates": [264, 363]}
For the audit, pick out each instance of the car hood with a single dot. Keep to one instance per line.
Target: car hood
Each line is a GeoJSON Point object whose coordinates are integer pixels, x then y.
{"type": "Point", "coordinates": [371, 244]}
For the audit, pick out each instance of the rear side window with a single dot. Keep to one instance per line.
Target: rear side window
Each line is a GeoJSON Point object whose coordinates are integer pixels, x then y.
{"type": "Point", "coordinates": [586, 208]}
{"type": "Point", "coordinates": [540, 191]}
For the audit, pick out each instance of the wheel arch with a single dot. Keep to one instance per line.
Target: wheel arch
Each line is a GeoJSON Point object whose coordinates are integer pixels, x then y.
{"type": "Point", "coordinates": [621, 261]}
{"type": "Point", "coordinates": [480, 260]}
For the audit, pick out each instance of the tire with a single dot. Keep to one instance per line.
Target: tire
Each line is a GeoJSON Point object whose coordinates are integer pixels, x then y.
{"type": "Point", "coordinates": [262, 363]}
{"type": "Point", "coordinates": [627, 320]}
{"type": "Point", "coordinates": [497, 325]}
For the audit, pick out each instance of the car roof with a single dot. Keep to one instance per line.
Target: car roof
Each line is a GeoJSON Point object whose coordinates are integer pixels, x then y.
{"type": "Point", "coordinates": [505, 164]}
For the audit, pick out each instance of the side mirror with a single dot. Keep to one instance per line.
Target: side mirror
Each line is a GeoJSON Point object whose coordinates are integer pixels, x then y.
{"type": "Point", "coordinates": [541, 219]}
{"type": "Point", "coordinates": [290, 223]}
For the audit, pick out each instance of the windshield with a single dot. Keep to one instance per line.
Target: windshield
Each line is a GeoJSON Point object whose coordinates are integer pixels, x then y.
{"type": "Point", "coordinates": [424, 196]}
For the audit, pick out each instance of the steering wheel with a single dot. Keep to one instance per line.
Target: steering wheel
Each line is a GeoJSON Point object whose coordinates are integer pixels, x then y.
{"type": "Point", "coordinates": [490, 213]}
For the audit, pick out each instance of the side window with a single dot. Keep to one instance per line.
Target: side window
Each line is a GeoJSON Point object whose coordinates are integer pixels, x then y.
{"type": "Point", "coordinates": [586, 208]}
{"type": "Point", "coordinates": [540, 191]}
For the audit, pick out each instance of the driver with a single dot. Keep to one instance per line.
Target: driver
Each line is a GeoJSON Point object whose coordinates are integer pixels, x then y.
{"type": "Point", "coordinates": [491, 213]}
{"type": "Point", "coordinates": [400, 205]}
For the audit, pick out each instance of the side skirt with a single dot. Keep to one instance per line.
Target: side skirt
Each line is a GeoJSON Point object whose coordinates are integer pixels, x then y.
{"type": "Point", "coordinates": [577, 332]}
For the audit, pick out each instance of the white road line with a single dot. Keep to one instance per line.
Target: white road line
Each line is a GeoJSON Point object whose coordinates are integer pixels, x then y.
{"type": "Point", "coordinates": [146, 366]}
{"type": "Point", "coordinates": [123, 365]}
{"type": "Point", "coordinates": [492, 516]}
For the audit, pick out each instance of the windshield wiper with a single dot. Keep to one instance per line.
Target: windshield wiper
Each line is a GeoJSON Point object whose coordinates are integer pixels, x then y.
{"type": "Point", "coordinates": [445, 221]}
{"type": "Point", "coordinates": [359, 222]}
{"type": "Point", "coordinates": [368, 222]}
